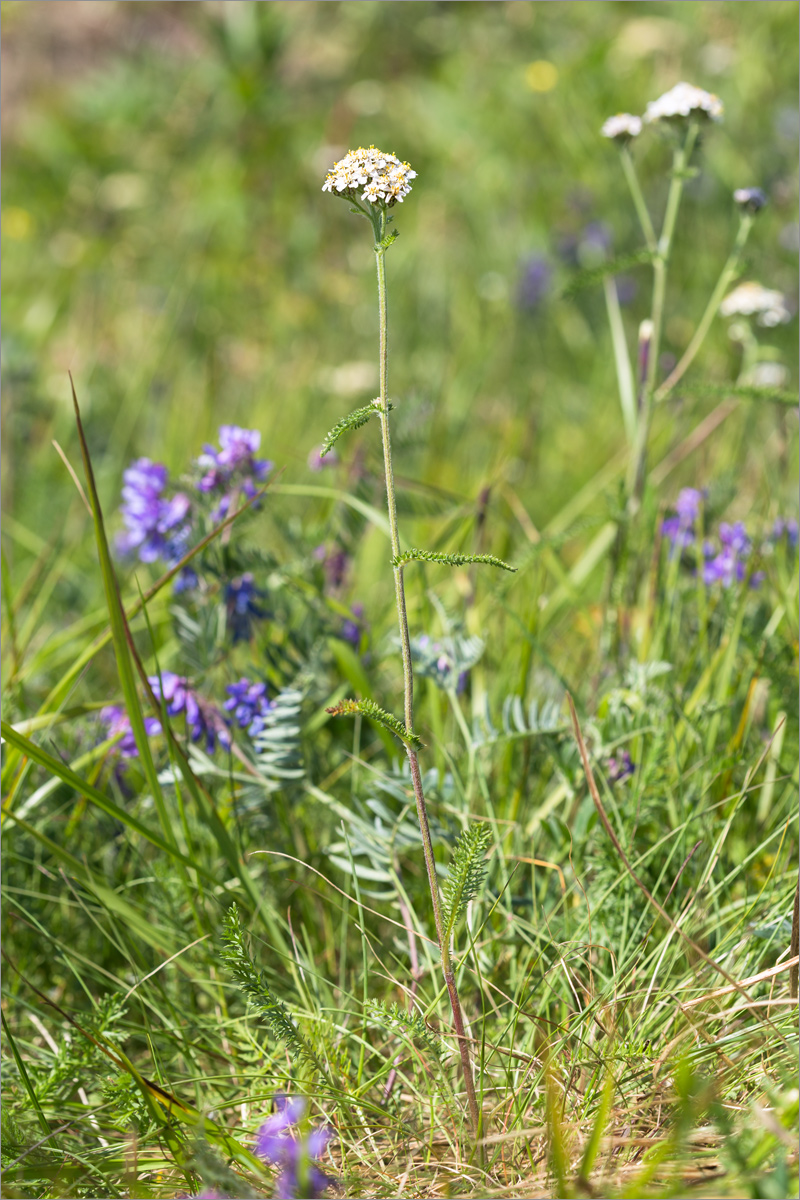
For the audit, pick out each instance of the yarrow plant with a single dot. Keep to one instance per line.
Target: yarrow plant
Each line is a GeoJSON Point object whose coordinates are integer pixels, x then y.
{"type": "Point", "coordinates": [374, 182]}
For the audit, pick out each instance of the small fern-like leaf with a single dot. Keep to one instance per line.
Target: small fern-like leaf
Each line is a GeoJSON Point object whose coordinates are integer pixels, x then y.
{"type": "Point", "coordinates": [278, 746]}
{"type": "Point", "coordinates": [449, 560]}
{"type": "Point", "coordinates": [467, 873]}
{"type": "Point", "coordinates": [747, 391]}
{"type": "Point", "coordinates": [409, 1025]}
{"type": "Point", "coordinates": [368, 708]}
{"type": "Point", "coordinates": [593, 275]}
{"type": "Point", "coordinates": [353, 420]}
{"type": "Point", "coordinates": [254, 985]}
{"type": "Point", "coordinates": [386, 242]}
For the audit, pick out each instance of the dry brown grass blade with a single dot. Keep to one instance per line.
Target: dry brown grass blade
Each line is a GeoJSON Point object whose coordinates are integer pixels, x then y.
{"type": "Point", "coordinates": [698, 950]}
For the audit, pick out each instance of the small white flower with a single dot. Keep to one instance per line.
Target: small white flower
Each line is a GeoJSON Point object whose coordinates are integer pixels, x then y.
{"type": "Point", "coordinates": [622, 127]}
{"type": "Point", "coordinates": [379, 179]}
{"type": "Point", "coordinates": [684, 100]}
{"type": "Point", "coordinates": [752, 300]}
{"type": "Point", "coordinates": [768, 375]}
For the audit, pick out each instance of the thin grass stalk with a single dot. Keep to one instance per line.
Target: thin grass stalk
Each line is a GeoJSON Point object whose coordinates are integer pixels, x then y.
{"type": "Point", "coordinates": [408, 690]}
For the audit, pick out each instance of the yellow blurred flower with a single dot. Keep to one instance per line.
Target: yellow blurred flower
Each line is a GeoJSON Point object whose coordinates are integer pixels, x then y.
{"type": "Point", "coordinates": [17, 223]}
{"type": "Point", "coordinates": [541, 76]}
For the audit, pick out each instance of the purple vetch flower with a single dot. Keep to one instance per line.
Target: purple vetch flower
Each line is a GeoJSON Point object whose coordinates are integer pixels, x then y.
{"type": "Point", "coordinates": [233, 468]}
{"type": "Point", "coordinates": [156, 527]}
{"type": "Point", "coordinates": [335, 562]}
{"type": "Point", "coordinates": [204, 720]}
{"type": "Point", "coordinates": [680, 529]}
{"type": "Point", "coordinates": [249, 705]}
{"type": "Point", "coordinates": [785, 527]}
{"type": "Point", "coordinates": [687, 506]}
{"type": "Point", "coordinates": [242, 607]}
{"type": "Point", "coordinates": [317, 463]}
{"type": "Point", "coordinates": [354, 626]}
{"type": "Point", "coordinates": [535, 283]}
{"type": "Point", "coordinates": [275, 1144]}
{"type": "Point", "coordinates": [724, 568]}
{"type": "Point", "coordinates": [734, 537]}
{"type": "Point", "coordinates": [620, 768]}
{"type": "Point", "coordinates": [116, 720]}
{"type": "Point", "coordinates": [678, 534]}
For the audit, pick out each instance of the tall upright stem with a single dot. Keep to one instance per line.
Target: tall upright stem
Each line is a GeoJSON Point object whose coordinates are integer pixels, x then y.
{"type": "Point", "coordinates": [408, 690]}
{"type": "Point", "coordinates": [637, 473]}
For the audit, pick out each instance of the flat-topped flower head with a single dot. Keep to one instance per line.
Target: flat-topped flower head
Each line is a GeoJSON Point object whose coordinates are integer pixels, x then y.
{"type": "Point", "coordinates": [372, 176]}
{"type": "Point", "coordinates": [682, 102]}
{"type": "Point", "coordinates": [622, 127]}
{"type": "Point", "coordinates": [752, 300]}
{"type": "Point", "coordinates": [751, 200]}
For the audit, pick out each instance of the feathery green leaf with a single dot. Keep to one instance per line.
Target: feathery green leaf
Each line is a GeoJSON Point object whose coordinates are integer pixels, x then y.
{"type": "Point", "coordinates": [368, 708]}
{"type": "Point", "coordinates": [353, 420]}
{"type": "Point", "coordinates": [744, 391]}
{"type": "Point", "coordinates": [449, 560]}
{"type": "Point", "coordinates": [467, 873]}
{"type": "Point", "coordinates": [254, 985]}
{"type": "Point", "coordinates": [593, 275]}
{"type": "Point", "coordinates": [409, 1025]}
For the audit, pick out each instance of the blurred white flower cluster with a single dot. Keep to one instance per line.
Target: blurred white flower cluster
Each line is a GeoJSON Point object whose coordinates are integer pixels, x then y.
{"type": "Point", "coordinates": [684, 100]}
{"type": "Point", "coordinates": [622, 126]}
{"type": "Point", "coordinates": [679, 103]}
{"type": "Point", "coordinates": [378, 178]}
{"type": "Point", "coordinates": [751, 299]}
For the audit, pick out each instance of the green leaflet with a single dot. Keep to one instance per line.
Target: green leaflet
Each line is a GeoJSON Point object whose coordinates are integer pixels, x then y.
{"type": "Point", "coordinates": [254, 985]}
{"type": "Point", "coordinates": [408, 1025]}
{"type": "Point", "coordinates": [593, 275]}
{"type": "Point", "coordinates": [368, 708]}
{"type": "Point", "coordinates": [744, 391]}
{"type": "Point", "coordinates": [353, 420]}
{"type": "Point", "coordinates": [467, 873]}
{"type": "Point", "coordinates": [449, 560]}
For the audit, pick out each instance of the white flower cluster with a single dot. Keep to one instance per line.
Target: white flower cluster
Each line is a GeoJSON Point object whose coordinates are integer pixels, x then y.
{"type": "Point", "coordinates": [622, 127]}
{"type": "Point", "coordinates": [378, 178]}
{"type": "Point", "coordinates": [751, 299]}
{"type": "Point", "coordinates": [680, 102]}
{"type": "Point", "coordinates": [684, 100]}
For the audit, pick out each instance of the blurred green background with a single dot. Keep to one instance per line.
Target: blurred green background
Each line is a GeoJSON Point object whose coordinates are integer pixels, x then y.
{"type": "Point", "coordinates": [165, 239]}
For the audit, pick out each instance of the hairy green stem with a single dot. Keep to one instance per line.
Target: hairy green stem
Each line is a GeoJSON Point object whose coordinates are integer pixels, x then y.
{"type": "Point", "coordinates": [632, 179]}
{"type": "Point", "coordinates": [637, 473]}
{"type": "Point", "coordinates": [726, 277]}
{"type": "Point", "coordinates": [408, 691]}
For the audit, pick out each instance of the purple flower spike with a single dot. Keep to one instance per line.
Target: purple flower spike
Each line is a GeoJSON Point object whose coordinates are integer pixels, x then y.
{"type": "Point", "coordinates": [317, 463]}
{"type": "Point", "coordinates": [687, 506]}
{"type": "Point", "coordinates": [249, 704]}
{"type": "Point", "coordinates": [734, 537]}
{"type": "Point", "coordinates": [725, 568]}
{"type": "Point", "coordinates": [277, 1146]}
{"type": "Point", "coordinates": [785, 527]}
{"type": "Point", "coordinates": [537, 276]}
{"type": "Point", "coordinates": [203, 719]}
{"type": "Point", "coordinates": [233, 468]}
{"type": "Point", "coordinates": [620, 768]}
{"type": "Point", "coordinates": [116, 720]}
{"type": "Point", "coordinates": [677, 533]}
{"type": "Point", "coordinates": [155, 527]}
{"type": "Point", "coordinates": [241, 599]}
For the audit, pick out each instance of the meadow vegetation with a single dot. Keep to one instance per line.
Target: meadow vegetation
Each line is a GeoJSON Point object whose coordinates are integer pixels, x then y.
{"type": "Point", "coordinates": [226, 970]}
